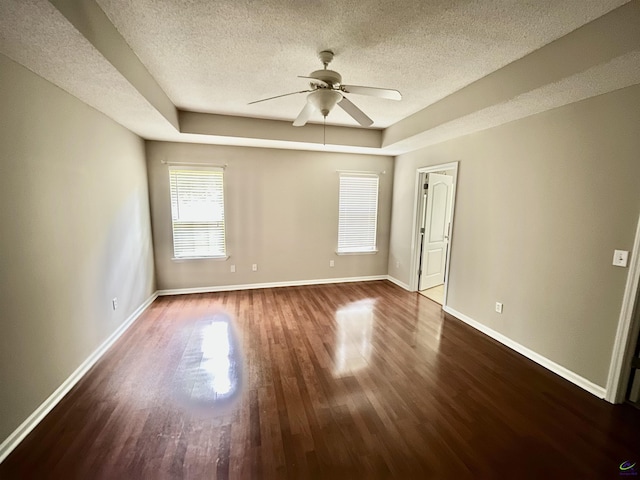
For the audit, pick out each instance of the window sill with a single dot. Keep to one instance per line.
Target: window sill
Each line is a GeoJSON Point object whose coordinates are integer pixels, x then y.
{"type": "Point", "coordinates": [368, 252]}
{"type": "Point", "coordinates": [186, 259]}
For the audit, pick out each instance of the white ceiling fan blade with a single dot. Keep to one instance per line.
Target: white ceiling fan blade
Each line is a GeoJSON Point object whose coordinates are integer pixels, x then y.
{"type": "Point", "coordinates": [321, 82]}
{"type": "Point", "coordinates": [278, 96]}
{"type": "Point", "coordinates": [304, 115]}
{"type": "Point", "coordinates": [373, 91]}
{"type": "Point", "coordinates": [357, 114]}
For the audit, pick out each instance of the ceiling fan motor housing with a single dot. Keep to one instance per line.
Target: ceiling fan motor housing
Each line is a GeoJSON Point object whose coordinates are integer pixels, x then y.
{"type": "Point", "coordinates": [329, 76]}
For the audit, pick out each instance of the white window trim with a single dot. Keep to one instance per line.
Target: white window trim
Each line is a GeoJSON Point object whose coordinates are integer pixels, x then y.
{"type": "Point", "coordinates": [368, 252]}
{"type": "Point", "coordinates": [214, 257]}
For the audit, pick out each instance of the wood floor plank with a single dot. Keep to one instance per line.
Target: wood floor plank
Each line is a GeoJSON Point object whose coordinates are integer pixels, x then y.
{"type": "Point", "coordinates": [359, 380]}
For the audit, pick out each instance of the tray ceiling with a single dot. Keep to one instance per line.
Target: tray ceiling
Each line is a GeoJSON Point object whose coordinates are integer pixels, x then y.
{"type": "Point", "coordinates": [147, 64]}
{"type": "Point", "coordinates": [218, 56]}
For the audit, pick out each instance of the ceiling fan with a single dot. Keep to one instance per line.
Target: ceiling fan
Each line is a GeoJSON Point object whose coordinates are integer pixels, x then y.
{"type": "Point", "coordinates": [327, 90]}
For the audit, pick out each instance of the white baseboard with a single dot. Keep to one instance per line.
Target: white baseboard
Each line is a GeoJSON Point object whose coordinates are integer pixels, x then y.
{"type": "Point", "coordinates": [252, 286]}
{"type": "Point", "coordinates": [13, 440]}
{"type": "Point", "coordinates": [399, 283]}
{"type": "Point", "coordinates": [565, 373]}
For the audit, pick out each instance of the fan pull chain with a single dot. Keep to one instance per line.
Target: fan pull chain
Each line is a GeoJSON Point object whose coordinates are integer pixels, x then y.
{"type": "Point", "coordinates": [324, 131]}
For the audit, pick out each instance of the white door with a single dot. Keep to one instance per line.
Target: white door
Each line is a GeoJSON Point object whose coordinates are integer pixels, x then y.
{"type": "Point", "coordinates": [435, 228]}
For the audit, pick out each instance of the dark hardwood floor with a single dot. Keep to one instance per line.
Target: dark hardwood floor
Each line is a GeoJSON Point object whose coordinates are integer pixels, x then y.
{"type": "Point", "coordinates": [360, 380]}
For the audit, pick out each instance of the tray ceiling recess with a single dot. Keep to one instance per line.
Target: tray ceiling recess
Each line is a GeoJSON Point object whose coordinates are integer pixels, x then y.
{"type": "Point", "coordinates": [192, 72]}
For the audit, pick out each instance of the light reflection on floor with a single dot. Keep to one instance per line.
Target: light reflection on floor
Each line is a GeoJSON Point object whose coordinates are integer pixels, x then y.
{"type": "Point", "coordinates": [216, 364]}
{"type": "Point", "coordinates": [209, 373]}
{"type": "Point", "coordinates": [425, 336]}
{"type": "Point", "coordinates": [353, 337]}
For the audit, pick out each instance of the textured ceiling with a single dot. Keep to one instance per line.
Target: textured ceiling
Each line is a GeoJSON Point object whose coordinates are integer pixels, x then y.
{"type": "Point", "coordinates": [35, 34]}
{"type": "Point", "coordinates": [462, 66]}
{"type": "Point", "coordinates": [216, 56]}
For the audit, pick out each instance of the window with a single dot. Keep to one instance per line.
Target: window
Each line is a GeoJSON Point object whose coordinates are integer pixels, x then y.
{"type": "Point", "coordinates": [197, 211]}
{"type": "Point", "coordinates": [358, 213]}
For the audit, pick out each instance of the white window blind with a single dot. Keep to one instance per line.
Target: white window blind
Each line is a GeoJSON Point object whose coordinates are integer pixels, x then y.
{"type": "Point", "coordinates": [197, 211]}
{"type": "Point", "coordinates": [358, 213]}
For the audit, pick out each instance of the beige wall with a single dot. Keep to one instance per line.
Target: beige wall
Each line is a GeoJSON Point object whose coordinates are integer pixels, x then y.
{"type": "Point", "coordinates": [541, 205]}
{"type": "Point", "coordinates": [75, 234]}
{"type": "Point", "coordinates": [281, 213]}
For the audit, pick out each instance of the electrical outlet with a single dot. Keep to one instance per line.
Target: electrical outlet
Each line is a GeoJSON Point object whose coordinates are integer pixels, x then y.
{"type": "Point", "coordinates": [254, 267]}
{"type": "Point", "coordinates": [233, 269]}
{"type": "Point", "coordinates": [620, 258]}
{"type": "Point", "coordinates": [114, 303]}
{"type": "Point", "coordinates": [498, 307]}
{"type": "Point", "coordinates": [332, 263]}
{"type": "Point", "coordinates": [398, 264]}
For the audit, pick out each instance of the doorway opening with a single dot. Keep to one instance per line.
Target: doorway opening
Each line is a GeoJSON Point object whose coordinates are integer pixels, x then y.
{"type": "Point", "coordinates": [631, 367]}
{"type": "Point", "coordinates": [633, 387]}
{"type": "Point", "coordinates": [629, 378]}
{"type": "Point", "coordinates": [434, 293]}
{"type": "Point", "coordinates": [624, 377]}
{"type": "Point", "coordinates": [433, 229]}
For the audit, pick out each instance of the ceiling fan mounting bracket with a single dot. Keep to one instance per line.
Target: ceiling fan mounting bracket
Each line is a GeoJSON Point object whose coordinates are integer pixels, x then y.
{"type": "Point", "coordinates": [325, 57]}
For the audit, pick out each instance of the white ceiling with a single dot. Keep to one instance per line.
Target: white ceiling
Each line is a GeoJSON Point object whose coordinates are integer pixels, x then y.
{"type": "Point", "coordinates": [216, 56]}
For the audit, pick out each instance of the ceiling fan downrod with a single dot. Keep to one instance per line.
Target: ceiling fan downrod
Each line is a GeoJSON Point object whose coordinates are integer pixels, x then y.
{"type": "Point", "coordinates": [325, 57]}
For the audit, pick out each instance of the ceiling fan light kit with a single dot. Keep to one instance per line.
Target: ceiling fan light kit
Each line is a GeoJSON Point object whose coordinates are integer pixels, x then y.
{"type": "Point", "coordinates": [327, 90]}
{"type": "Point", "coordinates": [324, 100]}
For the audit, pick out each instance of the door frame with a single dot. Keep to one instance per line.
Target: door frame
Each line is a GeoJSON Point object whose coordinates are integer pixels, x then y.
{"type": "Point", "coordinates": [619, 368]}
{"type": "Point", "coordinates": [417, 221]}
